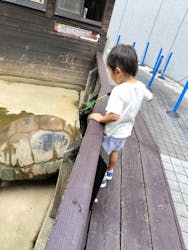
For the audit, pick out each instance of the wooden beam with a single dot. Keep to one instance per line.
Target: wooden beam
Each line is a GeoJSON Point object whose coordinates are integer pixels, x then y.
{"type": "Point", "coordinates": [135, 232]}
{"type": "Point", "coordinates": [105, 225]}
{"type": "Point", "coordinates": [165, 230]}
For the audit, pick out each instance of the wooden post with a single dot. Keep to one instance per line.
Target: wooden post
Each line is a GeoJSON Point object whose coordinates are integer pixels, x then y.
{"type": "Point", "coordinates": [63, 177]}
{"type": "Point", "coordinates": [50, 9]}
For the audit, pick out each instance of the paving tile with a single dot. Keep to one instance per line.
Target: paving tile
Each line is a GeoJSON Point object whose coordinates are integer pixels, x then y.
{"type": "Point", "coordinates": [171, 149]}
{"type": "Point", "coordinates": [184, 157]}
{"type": "Point", "coordinates": [162, 148]}
{"type": "Point", "coordinates": [178, 152]}
{"type": "Point", "coordinates": [171, 175]}
{"type": "Point", "coordinates": [176, 161]}
{"type": "Point", "coordinates": [181, 209]}
{"type": "Point", "coordinates": [185, 164]}
{"type": "Point", "coordinates": [177, 196]}
{"type": "Point", "coordinates": [174, 185]}
{"type": "Point", "coordinates": [183, 188]}
{"type": "Point", "coordinates": [165, 158]}
{"type": "Point", "coordinates": [185, 238]}
{"type": "Point", "coordinates": [183, 221]}
{"type": "Point", "coordinates": [185, 197]}
{"type": "Point", "coordinates": [179, 169]}
{"type": "Point", "coordinates": [186, 171]}
{"type": "Point", "coordinates": [167, 139]}
{"type": "Point", "coordinates": [180, 155]}
{"type": "Point", "coordinates": [164, 151]}
{"type": "Point", "coordinates": [169, 144]}
{"type": "Point", "coordinates": [182, 178]}
{"type": "Point", "coordinates": [161, 142]}
{"type": "Point", "coordinates": [168, 166]}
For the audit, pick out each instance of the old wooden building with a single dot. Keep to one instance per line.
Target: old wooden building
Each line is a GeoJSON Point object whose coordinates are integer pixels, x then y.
{"type": "Point", "coordinates": [52, 40]}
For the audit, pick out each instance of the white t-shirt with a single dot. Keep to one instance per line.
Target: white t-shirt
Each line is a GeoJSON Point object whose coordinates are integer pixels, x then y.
{"type": "Point", "coordinates": [125, 100]}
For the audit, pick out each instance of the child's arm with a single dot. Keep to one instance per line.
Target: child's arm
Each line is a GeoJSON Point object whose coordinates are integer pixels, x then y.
{"type": "Point", "coordinates": [148, 95]}
{"type": "Point", "coordinates": [109, 117]}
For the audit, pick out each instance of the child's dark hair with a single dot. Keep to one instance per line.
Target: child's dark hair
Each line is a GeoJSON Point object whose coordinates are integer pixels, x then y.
{"type": "Point", "coordinates": [124, 57]}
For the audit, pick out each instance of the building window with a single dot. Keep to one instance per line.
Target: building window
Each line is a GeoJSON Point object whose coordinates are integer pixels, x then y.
{"type": "Point", "coordinates": [73, 6]}
{"type": "Point", "coordinates": [35, 4]}
{"type": "Point", "coordinates": [95, 9]}
{"type": "Point", "coordinates": [90, 11]}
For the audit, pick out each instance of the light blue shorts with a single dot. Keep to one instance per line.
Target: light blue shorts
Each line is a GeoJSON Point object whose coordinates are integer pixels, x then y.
{"type": "Point", "coordinates": [110, 144]}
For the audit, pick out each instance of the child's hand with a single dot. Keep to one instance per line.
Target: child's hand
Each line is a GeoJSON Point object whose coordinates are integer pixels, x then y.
{"type": "Point", "coordinates": [96, 116]}
{"type": "Point", "coordinates": [110, 117]}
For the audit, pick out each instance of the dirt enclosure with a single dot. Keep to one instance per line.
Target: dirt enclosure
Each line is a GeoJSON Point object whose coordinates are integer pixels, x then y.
{"type": "Point", "coordinates": [24, 203]}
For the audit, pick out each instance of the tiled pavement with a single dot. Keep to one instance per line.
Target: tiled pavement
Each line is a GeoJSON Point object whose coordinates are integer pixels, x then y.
{"type": "Point", "coordinates": [171, 136]}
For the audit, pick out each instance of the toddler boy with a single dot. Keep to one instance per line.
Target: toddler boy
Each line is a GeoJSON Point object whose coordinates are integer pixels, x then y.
{"type": "Point", "coordinates": [123, 105]}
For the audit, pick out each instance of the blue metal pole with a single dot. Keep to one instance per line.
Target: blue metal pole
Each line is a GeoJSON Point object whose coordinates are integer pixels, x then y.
{"type": "Point", "coordinates": [166, 65]}
{"type": "Point", "coordinates": [180, 98]}
{"type": "Point", "coordinates": [155, 72]}
{"type": "Point", "coordinates": [133, 45]}
{"type": "Point", "coordinates": [158, 57]}
{"type": "Point", "coordinates": [145, 52]}
{"type": "Point", "coordinates": [118, 40]}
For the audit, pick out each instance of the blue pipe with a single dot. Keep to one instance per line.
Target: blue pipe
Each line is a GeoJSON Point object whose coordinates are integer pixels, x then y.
{"type": "Point", "coordinates": [145, 52]}
{"type": "Point", "coordinates": [166, 65]}
{"type": "Point", "coordinates": [159, 56]}
{"type": "Point", "coordinates": [155, 72]}
{"type": "Point", "coordinates": [118, 40]}
{"type": "Point", "coordinates": [180, 98]}
{"type": "Point", "coordinates": [133, 45]}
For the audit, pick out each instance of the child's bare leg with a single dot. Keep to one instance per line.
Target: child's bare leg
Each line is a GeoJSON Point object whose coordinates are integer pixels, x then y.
{"type": "Point", "coordinates": [113, 157]}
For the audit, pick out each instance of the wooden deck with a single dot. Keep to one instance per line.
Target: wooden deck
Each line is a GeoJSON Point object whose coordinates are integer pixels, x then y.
{"type": "Point", "coordinates": [135, 211]}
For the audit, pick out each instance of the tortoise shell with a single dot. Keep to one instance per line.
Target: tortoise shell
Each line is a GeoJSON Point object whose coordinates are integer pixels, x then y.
{"type": "Point", "coordinates": [33, 146]}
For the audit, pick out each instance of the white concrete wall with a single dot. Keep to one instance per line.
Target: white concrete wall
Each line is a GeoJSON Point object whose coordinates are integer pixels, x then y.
{"type": "Point", "coordinates": [164, 23]}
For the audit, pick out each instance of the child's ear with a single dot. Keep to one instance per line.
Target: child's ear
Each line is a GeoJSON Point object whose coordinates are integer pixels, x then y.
{"type": "Point", "coordinates": [117, 70]}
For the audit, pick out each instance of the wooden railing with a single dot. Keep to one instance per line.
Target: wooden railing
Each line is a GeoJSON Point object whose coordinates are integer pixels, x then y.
{"type": "Point", "coordinates": [70, 227]}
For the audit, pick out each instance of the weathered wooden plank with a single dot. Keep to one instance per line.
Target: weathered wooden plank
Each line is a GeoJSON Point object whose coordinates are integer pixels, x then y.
{"type": "Point", "coordinates": [15, 21]}
{"type": "Point", "coordinates": [51, 60]}
{"type": "Point", "coordinates": [70, 61]}
{"type": "Point", "coordinates": [66, 60]}
{"type": "Point", "coordinates": [135, 230]}
{"type": "Point", "coordinates": [71, 221]}
{"type": "Point", "coordinates": [33, 32]}
{"type": "Point", "coordinates": [108, 14]}
{"type": "Point", "coordinates": [165, 231]}
{"type": "Point", "coordinates": [63, 177]}
{"type": "Point", "coordinates": [7, 8]}
{"type": "Point", "coordinates": [101, 169]}
{"type": "Point", "coordinates": [104, 230]}
{"type": "Point", "coordinates": [90, 85]}
{"type": "Point", "coordinates": [24, 50]}
{"type": "Point", "coordinates": [42, 72]}
{"type": "Point", "coordinates": [25, 14]}
{"type": "Point", "coordinates": [46, 43]}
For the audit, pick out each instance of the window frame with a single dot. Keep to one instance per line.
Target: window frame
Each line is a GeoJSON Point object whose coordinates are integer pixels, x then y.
{"type": "Point", "coordinates": [30, 4]}
{"type": "Point", "coordinates": [67, 12]}
{"type": "Point", "coordinates": [60, 12]}
{"type": "Point", "coordinates": [77, 17]}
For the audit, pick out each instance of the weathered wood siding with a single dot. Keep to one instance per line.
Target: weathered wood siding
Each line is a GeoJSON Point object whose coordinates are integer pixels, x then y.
{"type": "Point", "coordinates": [108, 14]}
{"type": "Point", "coordinates": [29, 48]}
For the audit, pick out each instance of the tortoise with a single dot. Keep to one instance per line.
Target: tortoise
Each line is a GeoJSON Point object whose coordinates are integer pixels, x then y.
{"type": "Point", "coordinates": [34, 147]}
